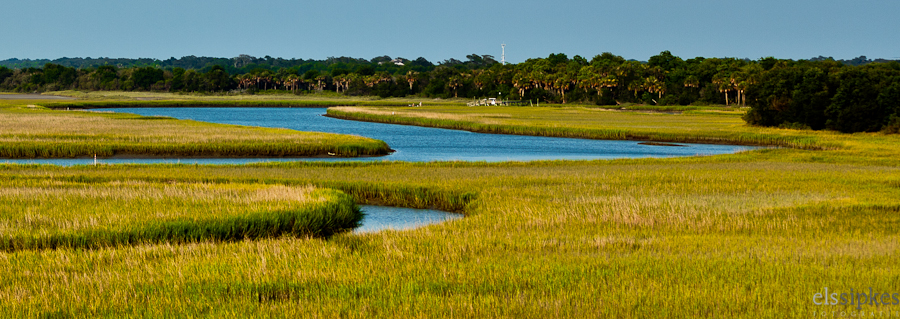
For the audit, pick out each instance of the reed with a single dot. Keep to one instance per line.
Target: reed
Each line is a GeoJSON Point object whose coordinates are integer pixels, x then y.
{"type": "Point", "coordinates": [182, 96]}
{"type": "Point", "coordinates": [750, 235]}
{"type": "Point", "coordinates": [569, 122]}
{"type": "Point", "coordinates": [48, 214]}
{"type": "Point", "coordinates": [214, 103]}
{"type": "Point", "coordinates": [32, 132]}
{"type": "Point", "coordinates": [742, 235]}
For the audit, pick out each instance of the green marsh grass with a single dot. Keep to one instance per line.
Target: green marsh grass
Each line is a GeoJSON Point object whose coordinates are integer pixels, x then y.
{"type": "Point", "coordinates": [326, 98]}
{"type": "Point", "coordinates": [748, 235]}
{"type": "Point", "coordinates": [49, 214]}
{"type": "Point", "coordinates": [729, 236]}
{"type": "Point", "coordinates": [34, 132]}
{"type": "Point", "coordinates": [581, 122]}
{"type": "Point", "coordinates": [214, 103]}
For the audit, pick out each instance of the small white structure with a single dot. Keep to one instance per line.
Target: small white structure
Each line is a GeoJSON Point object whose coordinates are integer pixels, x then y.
{"type": "Point", "coordinates": [397, 61]}
{"type": "Point", "coordinates": [491, 101]}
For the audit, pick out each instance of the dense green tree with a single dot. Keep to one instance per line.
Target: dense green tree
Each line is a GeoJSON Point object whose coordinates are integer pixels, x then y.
{"type": "Point", "coordinates": [820, 93]}
{"type": "Point", "coordinates": [5, 73]}
{"type": "Point", "coordinates": [144, 77]}
{"type": "Point", "coordinates": [786, 95]}
{"type": "Point", "coordinates": [666, 61]}
{"type": "Point", "coordinates": [54, 73]}
{"type": "Point", "coordinates": [217, 79]}
{"type": "Point", "coordinates": [177, 79]}
{"type": "Point", "coordinates": [862, 100]}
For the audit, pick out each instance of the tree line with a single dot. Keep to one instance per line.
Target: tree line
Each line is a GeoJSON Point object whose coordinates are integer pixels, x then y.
{"type": "Point", "coordinates": [820, 94]}
{"type": "Point", "coordinates": [827, 95]}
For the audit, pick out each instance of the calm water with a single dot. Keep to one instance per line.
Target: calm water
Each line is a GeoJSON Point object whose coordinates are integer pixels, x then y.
{"type": "Point", "coordinates": [414, 144]}
{"type": "Point", "coordinates": [398, 218]}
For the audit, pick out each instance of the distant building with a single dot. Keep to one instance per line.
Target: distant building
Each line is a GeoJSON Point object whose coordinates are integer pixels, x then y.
{"type": "Point", "coordinates": [395, 62]}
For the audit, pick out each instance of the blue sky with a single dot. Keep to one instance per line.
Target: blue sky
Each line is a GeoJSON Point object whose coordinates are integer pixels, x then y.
{"type": "Point", "coordinates": [441, 30]}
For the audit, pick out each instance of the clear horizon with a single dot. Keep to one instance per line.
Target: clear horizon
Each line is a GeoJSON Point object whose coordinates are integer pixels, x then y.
{"type": "Point", "coordinates": [438, 31]}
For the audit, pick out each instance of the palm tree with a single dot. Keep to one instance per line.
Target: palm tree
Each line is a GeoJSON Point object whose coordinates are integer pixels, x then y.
{"type": "Point", "coordinates": [454, 83]}
{"type": "Point", "coordinates": [636, 86]}
{"type": "Point", "coordinates": [745, 79]}
{"type": "Point", "coordinates": [242, 80]}
{"type": "Point", "coordinates": [292, 80]}
{"type": "Point", "coordinates": [609, 81]}
{"type": "Point", "coordinates": [654, 85]}
{"type": "Point", "coordinates": [411, 78]}
{"type": "Point", "coordinates": [350, 78]}
{"type": "Point", "coordinates": [277, 80]}
{"type": "Point", "coordinates": [691, 82]}
{"type": "Point", "coordinates": [480, 78]}
{"type": "Point", "coordinates": [320, 83]}
{"type": "Point", "coordinates": [723, 83]}
{"type": "Point", "coordinates": [338, 81]}
{"type": "Point", "coordinates": [521, 82]}
{"type": "Point", "coordinates": [266, 76]}
{"type": "Point", "coordinates": [370, 80]}
{"type": "Point", "coordinates": [560, 83]}
{"type": "Point", "coordinates": [587, 78]}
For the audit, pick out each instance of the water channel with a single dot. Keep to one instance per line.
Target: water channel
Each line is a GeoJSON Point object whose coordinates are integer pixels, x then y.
{"type": "Point", "coordinates": [412, 143]}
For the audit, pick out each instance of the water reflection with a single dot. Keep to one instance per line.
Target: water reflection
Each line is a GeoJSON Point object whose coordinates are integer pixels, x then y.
{"type": "Point", "coordinates": [383, 217]}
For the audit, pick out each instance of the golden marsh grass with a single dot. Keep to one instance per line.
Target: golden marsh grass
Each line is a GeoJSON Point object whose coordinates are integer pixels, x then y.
{"type": "Point", "coordinates": [29, 132]}
{"type": "Point", "coordinates": [748, 235]}
{"type": "Point", "coordinates": [48, 214]}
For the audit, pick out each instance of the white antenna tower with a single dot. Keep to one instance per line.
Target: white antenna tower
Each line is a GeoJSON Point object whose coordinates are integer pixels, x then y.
{"type": "Point", "coordinates": [503, 54]}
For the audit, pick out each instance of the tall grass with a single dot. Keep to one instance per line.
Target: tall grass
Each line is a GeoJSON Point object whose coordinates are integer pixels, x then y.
{"type": "Point", "coordinates": [38, 133]}
{"type": "Point", "coordinates": [45, 214]}
{"type": "Point", "coordinates": [215, 103]}
{"type": "Point", "coordinates": [573, 127]}
{"type": "Point", "coordinates": [730, 235]}
{"type": "Point", "coordinates": [748, 235]}
{"type": "Point", "coordinates": [324, 96]}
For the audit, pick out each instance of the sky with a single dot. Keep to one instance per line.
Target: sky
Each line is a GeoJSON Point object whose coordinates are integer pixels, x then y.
{"type": "Point", "coordinates": [439, 30]}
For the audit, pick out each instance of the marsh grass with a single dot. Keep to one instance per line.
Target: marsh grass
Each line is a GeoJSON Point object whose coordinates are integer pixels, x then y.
{"type": "Point", "coordinates": [579, 122]}
{"type": "Point", "coordinates": [48, 214]}
{"type": "Point", "coordinates": [730, 236]}
{"type": "Point", "coordinates": [215, 103]}
{"type": "Point", "coordinates": [747, 235]}
{"type": "Point", "coordinates": [325, 97]}
{"type": "Point", "coordinates": [28, 132]}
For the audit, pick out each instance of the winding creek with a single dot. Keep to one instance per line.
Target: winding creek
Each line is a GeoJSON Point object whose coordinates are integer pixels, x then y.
{"type": "Point", "coordinates": [412, 143]}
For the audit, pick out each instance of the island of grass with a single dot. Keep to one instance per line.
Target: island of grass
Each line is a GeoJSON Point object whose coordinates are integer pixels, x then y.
{"type": "Point", "coordinates": [31, 131]}
{"type": "Point", "coordinates": [55, 214]}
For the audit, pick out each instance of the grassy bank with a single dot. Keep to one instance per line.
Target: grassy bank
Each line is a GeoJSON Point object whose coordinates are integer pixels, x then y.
{"type": "Point", "coordinates": [35, 132]}
{"type": "Point", "coordinates": [325, 98]}
{"type": "Point", "coordinates": [700, 126]}
{"type": "Point", "coordinates": [213, 103]}
{"type": "Point", "coordinates": [580, 122]}
{"type": "Point", "coordinates": [52, 214]}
